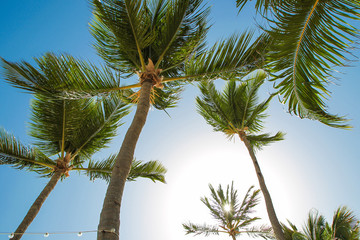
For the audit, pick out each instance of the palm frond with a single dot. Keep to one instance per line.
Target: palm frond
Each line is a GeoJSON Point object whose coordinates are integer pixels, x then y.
{"type": "Point", "coordinates": [152, 170]}
{"type": "Point", "coordinates": [20, 156]}
{"type": "Point", "coordinates": [198, 229]}
{"type": "Point", "coordinates": [315, 226]}
{"type": "Point", "coordinates": [311, 38]}
{"type": "Point", "coordinates": [61, 76]}
{"type": "Point", "coordinates": [260, 140]}
{"type": "Point", "coordinates": [262, 231]}
{"type": "Point", "coordinates": [261, 5]}
{"type": "Point", "coordinates": [227, 59]}
{"type": "Point", "coordinates": [344, 225]}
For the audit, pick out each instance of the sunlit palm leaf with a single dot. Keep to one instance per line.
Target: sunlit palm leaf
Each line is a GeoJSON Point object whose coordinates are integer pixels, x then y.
{"type": "Point", "coordinates": [20, 156]}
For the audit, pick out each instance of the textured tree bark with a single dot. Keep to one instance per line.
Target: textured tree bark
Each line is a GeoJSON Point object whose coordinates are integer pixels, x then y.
{"type": "Point", "coordinates": [109, 224]}
{"type": "Point", "coordinates": [268, 202]}
{"type": "Point", "coordinates": [35, 207]}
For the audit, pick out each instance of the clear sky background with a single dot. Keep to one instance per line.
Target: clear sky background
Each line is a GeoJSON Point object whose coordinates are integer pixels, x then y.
{"type": "Point", "coordinates": [315, 167]}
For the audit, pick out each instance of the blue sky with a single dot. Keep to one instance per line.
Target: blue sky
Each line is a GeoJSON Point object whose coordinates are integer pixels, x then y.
{"type": "Point", "coordinates": [314, 167]}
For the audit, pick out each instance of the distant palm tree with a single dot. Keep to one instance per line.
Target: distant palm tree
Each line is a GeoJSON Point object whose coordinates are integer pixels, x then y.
{"type": "Point", "coordinates": [344, 226]}
{"type": "Point", "coordinates": [233, 217]}
{"type": "Point", "coordinates": [310, 38]}
{"type": "Point", "coordinates": [163, 43]}
{"type": "Point", "coordinates": [73, 130]}
{"type": "Point", "coordinates": [237, 111]}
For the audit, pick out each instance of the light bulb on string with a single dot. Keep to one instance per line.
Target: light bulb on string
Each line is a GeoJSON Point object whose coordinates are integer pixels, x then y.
{"type": "Point", "coordinates": [46, 234]}
{"type": "Point", "coordinates": [79, 234]}
{"type": "Point", "coordinates": [11, 235]}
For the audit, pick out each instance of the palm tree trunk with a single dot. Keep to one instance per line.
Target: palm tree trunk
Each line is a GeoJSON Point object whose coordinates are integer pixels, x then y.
{"type": "Point", "coordinates": [35, 208]}
{"type": "Point", "coordinates": [110, 214]}
{"type": "Point", "coordinates": [269, 205]}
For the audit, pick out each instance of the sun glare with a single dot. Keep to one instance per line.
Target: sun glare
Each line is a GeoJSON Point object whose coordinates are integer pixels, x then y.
{"type": "Point", "coordinates": [227, 207]}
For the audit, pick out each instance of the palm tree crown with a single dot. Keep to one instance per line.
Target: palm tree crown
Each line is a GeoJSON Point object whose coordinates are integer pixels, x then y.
{"type": "Point", "coordinates": [237, 110]}
{"type": "Point", "coordinates": [233, 216]}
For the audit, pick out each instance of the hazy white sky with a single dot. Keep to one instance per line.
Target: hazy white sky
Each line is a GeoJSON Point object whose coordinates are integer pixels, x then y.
{"type": "Point", "coordinates": [314, 167]}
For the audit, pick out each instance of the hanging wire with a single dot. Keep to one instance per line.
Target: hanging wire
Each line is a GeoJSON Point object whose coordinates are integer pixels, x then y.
{"type": "Point", "coordinates": [47, 234]}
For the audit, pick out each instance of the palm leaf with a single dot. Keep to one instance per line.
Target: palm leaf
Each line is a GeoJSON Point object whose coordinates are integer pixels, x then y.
{"type": "Point", "coordinates": [311, 37]}
{"type": "Point", "coordinates": [152, 170]}
{"type": "Point", "coordinates": [230, 58]}
{"type": "Point", "coordinates": [61, 76]}
{"type": "Point", "coordinates": [20, 156]}
{"type": "Point", "coordinates": [198, 229]}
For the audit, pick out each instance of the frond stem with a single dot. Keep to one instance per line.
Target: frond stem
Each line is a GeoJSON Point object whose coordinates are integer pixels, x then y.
{"type": "Point", "coordinates": [298, 46]}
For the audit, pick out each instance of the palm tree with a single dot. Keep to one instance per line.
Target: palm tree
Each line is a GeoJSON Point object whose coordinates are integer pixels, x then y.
{"type": "Point", "coordinates": [162, 42]}
{"type": "Point", "coordinates": [236, 111]}
{"type": "Point", "coordinates": [344, 226]}
{"type": "Point", "coordinates": [233, 217]}
{"type": "Point", "coordinates": [311, 37]}
{"type": "Point", "coordinates": [73, 130]}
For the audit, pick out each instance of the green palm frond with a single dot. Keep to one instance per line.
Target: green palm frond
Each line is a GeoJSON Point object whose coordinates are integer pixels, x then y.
{"type": "Point", "coordinates": [260, 5]}
{"type": "Point", "coordinates": [261, 140]}
{"type": "Point", "coordinates": [152, 170]}
{"type": "Point", "coordinates": [128, 32]}
{"type": "Point", "coordinates": [80, 127]}
{"type": "Point", "coordinates": [20, 156]}
{"type": "Point", "coordinates": [230, 58]}
{"type": "Point", "coordinates": [198, 229]}
{"type": "Point", "coordinates": [315, 226]}
{"type": "Point", "coordinates": [61, 76]}
{"type": "Point", "coordinates": [344, 225]}
{"type": "Point", "coordinates": [311, 38]}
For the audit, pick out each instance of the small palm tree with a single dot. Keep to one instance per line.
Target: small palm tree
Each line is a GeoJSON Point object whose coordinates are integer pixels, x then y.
{"type": "Point", "coordinates": [311, 37]}
{"type": "Point", "coordinates": [162, 42]}
{"type": "Point", "coordinates": [236, 111]}
{"type": "Point", "coordinates": [73, 130]}
{"type": "Point", "coordinates": [233, 217]}
{"type": "Point", "coordinates": [344, 226]}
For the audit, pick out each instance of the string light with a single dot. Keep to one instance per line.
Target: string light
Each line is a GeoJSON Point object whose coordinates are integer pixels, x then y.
{"type": "Point", "coordinates": [47, 234]}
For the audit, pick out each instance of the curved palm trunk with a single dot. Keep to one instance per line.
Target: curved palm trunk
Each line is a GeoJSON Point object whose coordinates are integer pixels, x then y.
{"type": "Point", "coordinates": [269, 205]}
{"type": "Point", "coordinates": [110, 213]}
{"type": "Point", "coordinates": [35, 207]}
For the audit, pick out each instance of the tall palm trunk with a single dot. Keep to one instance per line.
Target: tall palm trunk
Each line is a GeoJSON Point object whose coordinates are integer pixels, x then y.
{"type": "Point", "coordinates": [35, 207]}
{"type": "Point", "coordinates": [269, 205]}
{"type": "Point", "coordinates": [109, 217]}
